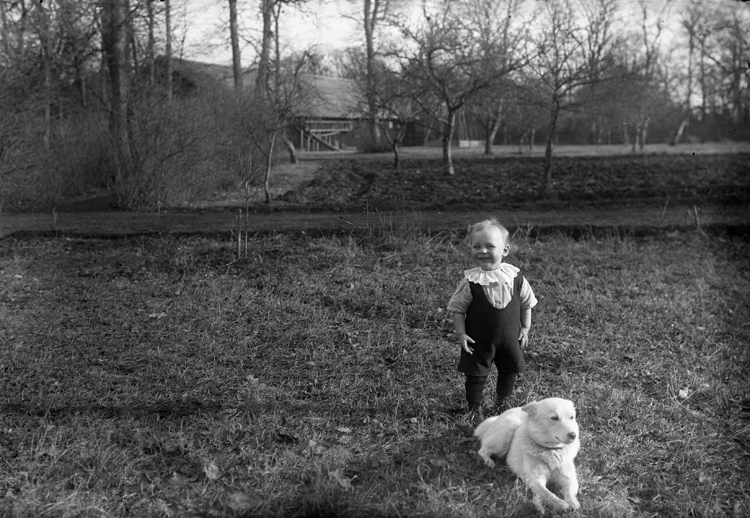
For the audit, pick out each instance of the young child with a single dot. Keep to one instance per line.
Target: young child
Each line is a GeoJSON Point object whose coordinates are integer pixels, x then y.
{"type": "Point", "coordinates": [491, 311]}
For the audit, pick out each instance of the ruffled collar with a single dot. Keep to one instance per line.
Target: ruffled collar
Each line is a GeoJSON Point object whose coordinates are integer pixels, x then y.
{"type": "Point", "coordinates": [503, 275]}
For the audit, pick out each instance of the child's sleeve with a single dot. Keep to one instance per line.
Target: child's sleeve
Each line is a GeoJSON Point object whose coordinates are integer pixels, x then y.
{"type": "Point", "coordinates": [528, 300]}
{"type": "Point", "coordinates": [461, 298]}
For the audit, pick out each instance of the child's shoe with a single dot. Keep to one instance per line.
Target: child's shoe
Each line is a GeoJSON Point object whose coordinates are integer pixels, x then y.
{"type": "Point", "coordinates": [475, 415]}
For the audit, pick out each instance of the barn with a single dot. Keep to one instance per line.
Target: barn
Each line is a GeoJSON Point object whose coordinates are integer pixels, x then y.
{"type": "Point", "coordinates": [329, 119]}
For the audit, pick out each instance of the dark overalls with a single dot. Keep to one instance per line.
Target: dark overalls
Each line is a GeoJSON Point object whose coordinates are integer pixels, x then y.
{"type": "Point", "coordinates": [495, 334]}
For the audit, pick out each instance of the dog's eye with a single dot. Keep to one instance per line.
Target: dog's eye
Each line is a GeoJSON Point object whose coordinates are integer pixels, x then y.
{"type": "Point", "coordinates": [555, 418]}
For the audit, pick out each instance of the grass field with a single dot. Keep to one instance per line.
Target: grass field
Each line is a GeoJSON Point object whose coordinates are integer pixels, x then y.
{"type": "Point", "coordinates": [316, 377]}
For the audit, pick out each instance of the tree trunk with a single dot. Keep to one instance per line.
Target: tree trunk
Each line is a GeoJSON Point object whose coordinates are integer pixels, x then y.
{"type": "Point", "coordinates": [371, 8]}
{"type": "Point", "coordinates": [82, 84]}
{"type": "Point", "coordinates": [269, 166]}
{"type": "Point", "coordinates": [644, 132]}
{"type": "Point", "coordinates": [4, 33]}
{"type": "Point", "coordinates": [489, 139]}
{"type": "Point", "coordinates": [150, 53]}
{"type": "Point", "coordinates": [704, 94]}
{"type": "Point", "coordinates": [168, 23]}
{"type": "Point", "coordinates": [47, 99]}
{"type": "Point", "coordinates": [21, 30]}
{"type": "Point", "coordinates": [115, 45]}
{"type": "Point", "coordinates": [46, 52]}
{"type": "Point", "coordinates": [290, 148]}
{"type": "Point", "coordinates": [593, 133]}
{"type": "Point", "coordinates": [547, 178]}
{"type": "Point", "coordinates": [678, 134]}
{"type": "Point", "coordinates": [447, 139]}
{"type": "Point", "coordinates": [262, 84]}
{"type": "Point", "coordinates": [236, 61]}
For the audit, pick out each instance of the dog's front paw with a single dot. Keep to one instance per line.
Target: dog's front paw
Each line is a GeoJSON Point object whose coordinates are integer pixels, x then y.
{"type": "Point", "coordinates": [487, 460]}
{"type": "Point", "coordinates": [562, 506]}
{"type": "Point", "coordinates": [573, 502]}
{"type": "Point", "coordinates": [555, 506]}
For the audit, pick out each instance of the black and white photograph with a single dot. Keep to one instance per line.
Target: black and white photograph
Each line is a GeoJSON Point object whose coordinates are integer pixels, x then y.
{"type": "Point", "coordinates": [374, 258]}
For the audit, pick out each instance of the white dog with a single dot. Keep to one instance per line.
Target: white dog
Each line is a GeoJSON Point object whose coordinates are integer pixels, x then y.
{"type": "Point", "coordinates": [539, 441]}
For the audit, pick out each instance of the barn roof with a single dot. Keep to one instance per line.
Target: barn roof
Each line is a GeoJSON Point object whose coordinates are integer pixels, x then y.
{"type": "Point", "coordinates": [328, 97]}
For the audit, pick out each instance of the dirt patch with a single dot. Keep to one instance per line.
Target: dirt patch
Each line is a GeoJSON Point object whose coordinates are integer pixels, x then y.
{"type": "Point", "coordinates": [637, 220]}
{"type": "Point", "coordinates": [515, 183]}
{"type": "Point", "coordinates": [285, 178]}
{"type": "Point", "coordinates": [632, 191]}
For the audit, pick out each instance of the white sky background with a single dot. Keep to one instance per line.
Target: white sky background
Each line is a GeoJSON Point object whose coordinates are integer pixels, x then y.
{"type": "Point", "coordinates": [322, 23]}
{"type": "Point", "coordinates": [325, 24]}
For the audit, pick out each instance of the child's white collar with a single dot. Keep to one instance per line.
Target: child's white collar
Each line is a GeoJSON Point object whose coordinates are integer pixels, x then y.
{"type": "Point", "coordinates": [502, 275]}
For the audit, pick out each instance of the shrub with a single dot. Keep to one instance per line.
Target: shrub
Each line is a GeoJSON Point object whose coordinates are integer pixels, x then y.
{"type": "Point", "coordinates": [175, 153]}
{"type": "Point", "coordinates": [35, 176]}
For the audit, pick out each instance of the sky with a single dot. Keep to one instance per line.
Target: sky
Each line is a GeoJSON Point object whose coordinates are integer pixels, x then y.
{"type": "Point", "coordinates": [326, 24]}
{"type": "Point", "coordinates": [206, 21]}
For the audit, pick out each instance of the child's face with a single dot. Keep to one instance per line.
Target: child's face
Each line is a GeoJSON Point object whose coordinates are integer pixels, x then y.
{"type": "Point", "coordinates": [488, 247]}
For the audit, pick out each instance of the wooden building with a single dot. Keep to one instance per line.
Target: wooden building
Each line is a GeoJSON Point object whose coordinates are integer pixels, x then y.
{"type": "Point", "coordinates": [328, 117]}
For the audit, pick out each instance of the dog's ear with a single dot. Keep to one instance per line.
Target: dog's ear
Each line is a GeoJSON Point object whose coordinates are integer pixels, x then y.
{"type": "Point", "coordinates": [530, 409]}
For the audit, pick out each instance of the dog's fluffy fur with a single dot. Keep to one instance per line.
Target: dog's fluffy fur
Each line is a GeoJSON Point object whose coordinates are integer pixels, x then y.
{"type": "Point", "coordinates": [539, 442]}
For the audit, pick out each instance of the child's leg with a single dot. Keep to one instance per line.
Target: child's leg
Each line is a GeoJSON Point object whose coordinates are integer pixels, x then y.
{"type": "Point", "coordinates": [505, 382]}
{"type": "Point", "coordinates": [474, 389]}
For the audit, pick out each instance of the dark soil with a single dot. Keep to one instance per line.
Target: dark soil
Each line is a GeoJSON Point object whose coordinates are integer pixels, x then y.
{"type": "Point", "coordinates": [634, 192]}
{"type": "Point", "coordinates": [515, 182]}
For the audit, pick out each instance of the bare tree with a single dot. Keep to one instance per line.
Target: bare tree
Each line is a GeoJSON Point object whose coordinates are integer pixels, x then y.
{"type": "Point", "coordinates": [274, 92]}
{"type": "Point", "coordinates": [645, 70]}
{"type": "Point", "coordinates": [374, 12]}
{"type": "Point", "coordinates": [151, 44]}
{"type": "Point", "coordinates": [573, 47]}
{"type": "Point", "coordinates": [43, 30]}
{"type": "Point", "coordinates": [266, 119]}
{"type": "Point", "coordinates": [389, 96]}
{"type": "Point", "coordinates": [235, 39]}
{"type": "Point", "coordinates": [447, 64]}
{"type": "Point", "coordinates": [690, 22]}
{"type": "Point", "coordinates": [492, 18]}
{"type": "Point", "coordinates": [268, 65]}
{"type": "Point", "coordinates": [168, 50]}
{"type": "Point", "coordinates": [115, 46]}
{"type": "Point", "coordinates": [527, 111]}
{"type": "Point", "coordinates": [726, 51]}
{"type": "Point", "coordinates": [5, 49]}
{"type": "Point", "coordinates": [262, 80]}
{"type": "Point", "coordinates": [395, 107]}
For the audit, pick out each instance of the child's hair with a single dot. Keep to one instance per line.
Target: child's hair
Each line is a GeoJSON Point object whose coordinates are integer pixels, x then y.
{"type": "Point", "coordinates": [487, 223]}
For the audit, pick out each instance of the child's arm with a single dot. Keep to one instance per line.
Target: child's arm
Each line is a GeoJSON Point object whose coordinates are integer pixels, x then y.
{"type": "Point", "coordinates": [459, 324]}
{"type": "Point", "coordinates": [523, 334]}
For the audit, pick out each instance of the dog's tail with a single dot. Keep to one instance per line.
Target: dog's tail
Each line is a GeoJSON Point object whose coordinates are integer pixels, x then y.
{"type": "Point", "coordinates": [484, 426]}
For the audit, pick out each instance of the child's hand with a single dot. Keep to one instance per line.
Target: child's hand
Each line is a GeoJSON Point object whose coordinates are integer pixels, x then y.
{"type": "Point", "coordinates": [464, 338]}
{"type": "Point", "coordinates": [523, 337]}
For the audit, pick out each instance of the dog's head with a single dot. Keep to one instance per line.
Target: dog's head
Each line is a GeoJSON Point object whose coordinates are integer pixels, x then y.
{"type": "Point", "coordinates": [552, 422]}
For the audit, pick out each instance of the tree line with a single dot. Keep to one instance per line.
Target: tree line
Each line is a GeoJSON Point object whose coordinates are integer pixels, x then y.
{"type": "Point", "coordinates": [88, 93]}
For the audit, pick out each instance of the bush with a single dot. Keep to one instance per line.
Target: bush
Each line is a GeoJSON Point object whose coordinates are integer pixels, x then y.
{"type": "Point", "coordinates": [181, 152]}
{"type": "Point", "coordinates": [176, 153]}
{"type": "Point", "coordinates": [37, 176]}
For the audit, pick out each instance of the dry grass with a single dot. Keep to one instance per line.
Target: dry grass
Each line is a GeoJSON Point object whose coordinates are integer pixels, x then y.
{"type": "Point", "coordinates": [163, 377]}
